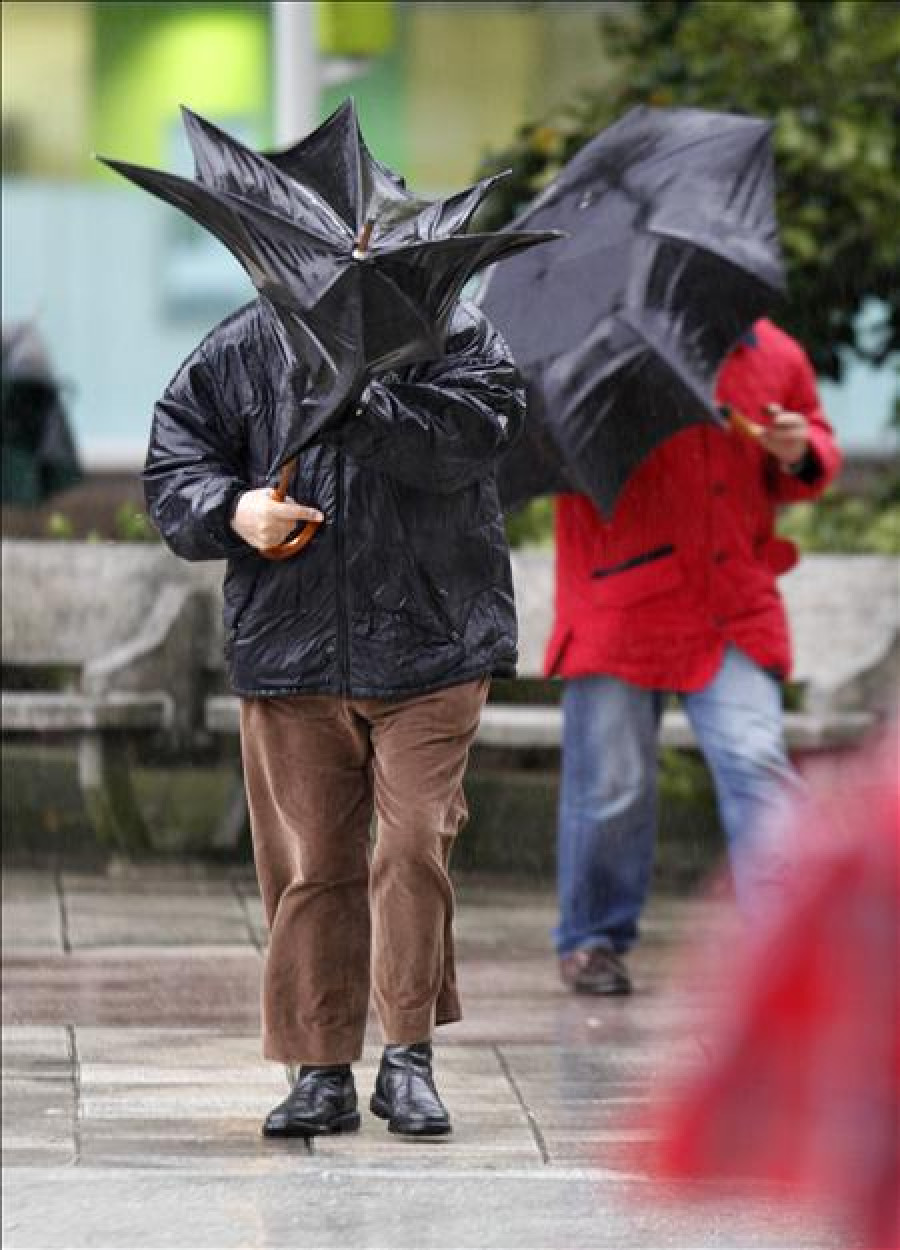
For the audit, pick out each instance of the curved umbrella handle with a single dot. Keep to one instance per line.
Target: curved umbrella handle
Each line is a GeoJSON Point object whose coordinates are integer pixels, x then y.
{"type": "Point", "coordinates": [743, 425]}
{"type": "Point", "coordinates": [284, 551]}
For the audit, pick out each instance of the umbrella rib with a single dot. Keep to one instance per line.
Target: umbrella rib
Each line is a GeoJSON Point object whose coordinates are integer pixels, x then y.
{"type": "Point", "coordinates": [678, 149]}
{"type": "Point", "coordinates": [682, 374]}
{"type": "Point", "coordinates": [201, 133]}
{"type": "Point", "coordinates": [745, 190]}
{"type": "Point", "coordinates": [253, 207]}
{"type": "Point", "coordinates": [721, 253]}
{"type": "Point", "coordinates": [361, 209]}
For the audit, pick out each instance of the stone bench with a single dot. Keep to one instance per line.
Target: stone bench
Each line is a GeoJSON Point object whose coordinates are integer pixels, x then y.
{"type": "Point", "coordinates": [133, 637]}
{"type": "Point", "coordinates": [99, 646]}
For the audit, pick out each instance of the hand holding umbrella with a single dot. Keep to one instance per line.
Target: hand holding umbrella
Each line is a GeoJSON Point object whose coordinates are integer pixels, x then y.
{"type": "Point", "coordinates": [265, 520]}
{"type": "Point", "coordinates": [786, 437]}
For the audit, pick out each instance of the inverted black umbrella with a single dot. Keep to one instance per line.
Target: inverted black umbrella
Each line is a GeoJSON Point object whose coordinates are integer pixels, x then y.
{"type": "Point", "coordinates": [672, 253]}
{"type": "Point", "coordinates": [363, 274]}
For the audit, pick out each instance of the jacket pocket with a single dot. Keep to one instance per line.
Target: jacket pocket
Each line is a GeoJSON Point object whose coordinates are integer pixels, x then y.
{"type": "Point", "coordinates": [651, 573]}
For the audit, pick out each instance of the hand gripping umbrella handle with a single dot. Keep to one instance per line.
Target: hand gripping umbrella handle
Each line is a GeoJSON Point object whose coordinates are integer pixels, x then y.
{"type": "Point", "coordinates": [284, 551]}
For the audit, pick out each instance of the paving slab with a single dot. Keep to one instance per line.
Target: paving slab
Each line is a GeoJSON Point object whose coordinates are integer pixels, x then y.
{"type": "Point", "coordinates": [38, 1097]}
{"type": "Point", "coordinates": [31, 913]}
{"type": "Point", "coordinates": [138, 1087]}
{"type": "Point", "coordinates": [177, 988]}
{"type": "Point", "coordinates": [153, 911]}
{"type": "Point", "coordinates": [134, 1090]}
{"type": "Point", "coordinates": [378, 1209]}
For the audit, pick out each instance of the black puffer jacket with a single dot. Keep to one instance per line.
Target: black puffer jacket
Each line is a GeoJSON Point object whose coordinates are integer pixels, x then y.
{"type": "Point", "coordinates": [407, 585]}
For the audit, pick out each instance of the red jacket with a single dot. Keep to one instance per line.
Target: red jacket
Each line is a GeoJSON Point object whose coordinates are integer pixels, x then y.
{"type": "Point", "coordinates": [688, 562]}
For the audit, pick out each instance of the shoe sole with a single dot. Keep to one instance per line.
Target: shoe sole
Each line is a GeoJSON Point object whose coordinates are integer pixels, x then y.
{"type": "Point", "coordinates": [347, 1123]}
{"type": "Point", "coordinates": [380, 1108]}
{"type": "Point", "coordinates": [618, 989]}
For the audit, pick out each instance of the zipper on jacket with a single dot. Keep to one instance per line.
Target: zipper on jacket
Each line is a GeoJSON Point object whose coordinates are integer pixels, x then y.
{"type": "Point", "coordinates": [341, 587]}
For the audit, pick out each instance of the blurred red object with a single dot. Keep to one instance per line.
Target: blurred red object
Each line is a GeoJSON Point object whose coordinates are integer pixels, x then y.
{"type": "Point", "coordinates": [803, 1083]}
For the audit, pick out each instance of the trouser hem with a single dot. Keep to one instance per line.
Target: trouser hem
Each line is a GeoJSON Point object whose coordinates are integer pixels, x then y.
{"type": "Point", "coordinates": [319, 1055]}
{"type": "Point", "coordinates": [406, 1028]}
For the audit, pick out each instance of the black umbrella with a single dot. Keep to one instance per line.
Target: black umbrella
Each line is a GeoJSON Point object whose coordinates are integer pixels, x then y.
{"type": "Point", "coordinates": [363, 274]}
{"type": "Point", "coordinates": [39, 456]}
{"type": "Point", "coordinates": [620, 330]}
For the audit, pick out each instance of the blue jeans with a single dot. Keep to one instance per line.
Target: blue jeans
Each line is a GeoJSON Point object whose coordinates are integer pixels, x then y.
{"type": "Point", "coordinates": [608, 800]}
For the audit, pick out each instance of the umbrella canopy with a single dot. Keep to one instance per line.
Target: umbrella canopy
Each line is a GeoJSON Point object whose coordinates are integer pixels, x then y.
{"type": "Point", "coordinates": [672, 253]}
{"type": "Point", "coordinates": [363, 274]}
{"type": "Point", "coordinates": [39, 456]}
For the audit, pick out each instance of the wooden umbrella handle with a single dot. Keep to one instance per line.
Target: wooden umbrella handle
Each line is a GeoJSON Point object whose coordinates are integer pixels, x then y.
{"type": "Point", "coordinates": [750, 429]}
{"type": "Point", "coordinates": [284, 551]}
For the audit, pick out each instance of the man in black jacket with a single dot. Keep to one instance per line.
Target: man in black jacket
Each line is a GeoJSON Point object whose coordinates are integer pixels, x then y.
{"type": "Point", "coordinates": [362, 665]}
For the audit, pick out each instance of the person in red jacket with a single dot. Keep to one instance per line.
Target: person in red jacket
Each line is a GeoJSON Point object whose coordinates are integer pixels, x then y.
{"type": "Point", "coordinates": [677, 593]}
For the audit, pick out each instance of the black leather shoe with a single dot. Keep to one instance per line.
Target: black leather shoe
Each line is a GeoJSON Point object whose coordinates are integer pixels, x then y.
{"type": "Point", "coordinates": [405, 1095]}
{"type": "Point", "coordinates": [323, 1100]}
{"type": "Point", "coordinates": [595, 971]}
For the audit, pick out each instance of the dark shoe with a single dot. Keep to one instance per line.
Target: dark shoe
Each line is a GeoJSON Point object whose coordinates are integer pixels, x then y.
{"type": "Point", "coordinates": [595, 971]}
{"type": "Point", "coordinates": [405, 1095]}
{"type": "Point", "coordinates": [323, 1100]}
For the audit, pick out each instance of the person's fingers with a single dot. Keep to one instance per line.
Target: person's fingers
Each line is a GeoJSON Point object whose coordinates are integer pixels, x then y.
{"type": "Point", "coordinates": [787, 441]}
{"type": "Point", "coordinates": [783, 418]}
{"type": "Point", "coordinates": [782, 438]}
{"type": "Point", "coordinates": [290, 510]}
{"type": "Point", "coordinates": [300, 512]}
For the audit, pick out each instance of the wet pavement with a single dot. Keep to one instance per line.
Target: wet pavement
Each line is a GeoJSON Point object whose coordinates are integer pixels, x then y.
{"type": "Point", "coordinates": [133, 1088]}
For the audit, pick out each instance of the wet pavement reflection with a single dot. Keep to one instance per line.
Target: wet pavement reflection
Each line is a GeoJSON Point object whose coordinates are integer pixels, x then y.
{"type": "Point", "coordinates": [133, 1086]}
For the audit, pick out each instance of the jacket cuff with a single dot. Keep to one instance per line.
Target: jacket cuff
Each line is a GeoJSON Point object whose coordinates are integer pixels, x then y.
{"type": "Point", "coordinates": [808, 470]}
{"type": "Point", "coordinates": [218, 522]}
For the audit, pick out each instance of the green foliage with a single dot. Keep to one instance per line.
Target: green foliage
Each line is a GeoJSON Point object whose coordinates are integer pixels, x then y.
{"type": "Point", "coordinates": [132, 525]}
{"type": "Point", "coordinates": [825, 71]}
{"type": "Point", "coordinates": [532, 525]}
{"type": "Point", "coordinates": [59, 526]}
{"type": "Point", "coordinates": [844, 523]}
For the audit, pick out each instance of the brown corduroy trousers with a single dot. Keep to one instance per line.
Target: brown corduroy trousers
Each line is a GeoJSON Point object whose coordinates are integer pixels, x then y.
{"type": "Point", "coordinates": [346, 919]}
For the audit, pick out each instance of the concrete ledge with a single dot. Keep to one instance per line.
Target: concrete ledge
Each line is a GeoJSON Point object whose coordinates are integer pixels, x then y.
{"type": "Point", "coordinates": [222, 714]}
{"type": "Point", "coordinates": [36, 711]}
{"type": "Point", "coordinates": [527, 727]}
{"type": "Point", "coordinates": [522, 727]}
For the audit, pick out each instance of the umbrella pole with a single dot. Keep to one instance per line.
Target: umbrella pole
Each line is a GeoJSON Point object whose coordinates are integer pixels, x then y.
{"type": "Point", "coordinates": [284, 551]}
{"type": "Point", "coordinates": [361, 247]}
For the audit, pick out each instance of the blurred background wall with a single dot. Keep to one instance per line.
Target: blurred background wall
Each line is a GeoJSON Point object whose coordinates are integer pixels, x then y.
{"type": "Point", "coordinates": [122, 287]}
